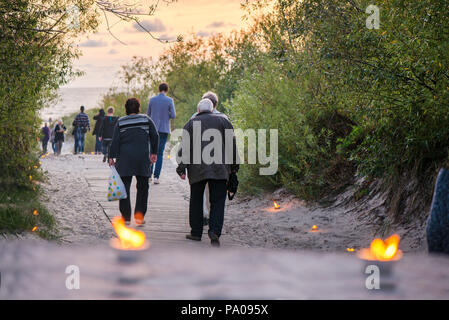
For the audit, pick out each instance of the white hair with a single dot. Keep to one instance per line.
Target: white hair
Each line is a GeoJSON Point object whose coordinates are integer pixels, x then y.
{"type": "Point", "coordinates": [205, 105]}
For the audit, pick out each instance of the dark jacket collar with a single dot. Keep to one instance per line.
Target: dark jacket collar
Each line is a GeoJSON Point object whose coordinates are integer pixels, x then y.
{"type": "Point", "coordinates": [205, 112]}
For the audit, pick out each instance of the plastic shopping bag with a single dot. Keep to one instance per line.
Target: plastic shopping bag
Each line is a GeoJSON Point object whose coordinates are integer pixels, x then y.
{"type": "Point", "coordinates": [116, 190]}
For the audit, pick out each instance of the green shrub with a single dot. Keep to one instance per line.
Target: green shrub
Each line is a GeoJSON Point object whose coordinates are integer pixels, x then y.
{"type": "Point", "coordinates": [17, 208]}
{"type": "Point", "coordinates": [308, 164]}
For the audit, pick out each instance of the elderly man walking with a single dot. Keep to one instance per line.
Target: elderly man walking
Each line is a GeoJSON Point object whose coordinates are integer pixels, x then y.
{"type": "Point", "coordinates": [214, 98]}
{"type": "Point", "coordinates": [207, 162]}
{"type": "Point", "coordinates": [161, 109]}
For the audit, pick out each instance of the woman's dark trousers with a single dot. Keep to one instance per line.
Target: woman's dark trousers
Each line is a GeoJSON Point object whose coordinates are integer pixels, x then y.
{"type": "Point", "coordinates": [141, 199]}
{"type": "Point", "coordinates": [218, 191]}
{"type": "Point", "coordinates": [44, 146]}
{"type": "Point", "coordinates": [98, 145]}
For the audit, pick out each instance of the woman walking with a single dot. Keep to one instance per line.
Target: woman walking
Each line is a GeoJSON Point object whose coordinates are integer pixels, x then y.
{"type": "Point", "coordinates": [133, 137]}
{"type": "Point", "coordinates": [106, 131]}
{"type": "Point", "coordinates": [45, 137]}
{"type": "Point", "coordinates": [59, 136]}
{"type": "Point", "coordinates": [99, 121]}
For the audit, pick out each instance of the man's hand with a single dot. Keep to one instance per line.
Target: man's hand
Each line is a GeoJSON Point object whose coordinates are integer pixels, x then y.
{"type": "Point", "coordinates": [153, 158]}
{"type": "Point", "coordinates": [111, 162]}
{"type": "Point", "coordinates": [183, 177]}
{"type": "Point", "coordinates": [100, 139]}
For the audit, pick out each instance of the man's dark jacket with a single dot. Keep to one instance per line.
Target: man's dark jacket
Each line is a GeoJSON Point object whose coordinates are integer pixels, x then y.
{"type": "Point", "coordinates": [106, 130]}
{"type": "Point", "coordinates": [202, 171]}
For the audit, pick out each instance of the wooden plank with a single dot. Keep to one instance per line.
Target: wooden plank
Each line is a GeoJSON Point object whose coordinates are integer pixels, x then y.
{"type": "Point", "coordinates": [168, 205]}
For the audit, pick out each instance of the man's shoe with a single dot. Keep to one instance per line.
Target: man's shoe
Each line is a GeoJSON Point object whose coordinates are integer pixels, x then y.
{"type": "Point", "coordinates": [156, 181]}
{"type": "Point", "coordinates": [194, 238]}
{"type": "Point", "coordinates": [127, 223]}
{"type": "Point", "coordinates": [214, 239]}
{"type": "Point", "coordinates": [140, 222]}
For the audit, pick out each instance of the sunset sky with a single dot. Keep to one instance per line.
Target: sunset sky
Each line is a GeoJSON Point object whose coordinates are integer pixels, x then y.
{"type": "Point", "coordinates": [103, 55]}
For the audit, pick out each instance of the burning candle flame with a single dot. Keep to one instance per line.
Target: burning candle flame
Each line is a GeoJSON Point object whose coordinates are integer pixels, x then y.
{"type": "Point", "coordinates": [350, 249]}
{"type": "Point", "coordinates": [128, 239]}
{"type": "Point", "coordinates": [35, 213]}
{"type": "Point", "coordinates": [383, 250]}
{"type": "Point", "coordinates": [34, 229]}
{"type": "Point", "coordinates": [276, 205]}
{"type": "Point", "coordinates": [314, 228]}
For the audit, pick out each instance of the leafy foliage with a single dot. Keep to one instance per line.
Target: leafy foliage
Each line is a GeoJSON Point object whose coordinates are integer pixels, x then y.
{"type": "Point", "coordinates": [35, 59]}
{"type": "Point", "coordinates": [344, 97]}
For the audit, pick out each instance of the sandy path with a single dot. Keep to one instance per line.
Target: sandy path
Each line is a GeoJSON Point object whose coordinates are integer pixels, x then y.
{"type": "Point", "coordinates": [77, 202]}
{"type": "Point", "coordinates": [79, 217]}
{"type": "Point", "coordinates": [344, 225]}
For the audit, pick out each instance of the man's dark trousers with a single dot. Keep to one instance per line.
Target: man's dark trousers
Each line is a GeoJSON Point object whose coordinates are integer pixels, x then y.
{"type": "Point", "coordinates": [141, 199]}
{"type": "Point", "coordinates": [218, 193]}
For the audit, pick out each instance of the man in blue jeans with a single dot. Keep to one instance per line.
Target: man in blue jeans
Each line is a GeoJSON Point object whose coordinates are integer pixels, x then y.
{"type": "Point", "coordinates": [81, 125]}
{"type": "Point", "coordinates": [161, 109]}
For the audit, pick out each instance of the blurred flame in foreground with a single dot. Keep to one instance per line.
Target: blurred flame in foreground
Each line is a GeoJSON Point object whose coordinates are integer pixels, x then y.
{"type": "Point", "coordinates": [128, 239]}
{"type": "Point", "coordinates": [276, 205]}
{"type": "Point", "coordinates": [381, 250]}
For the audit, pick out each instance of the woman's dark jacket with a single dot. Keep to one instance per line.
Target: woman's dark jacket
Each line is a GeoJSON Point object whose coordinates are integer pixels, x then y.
{"type": "Point", "coordinates": [99, 120]}
{"type": "Point", "coordinates": [133, 137]}
{"type": "Point", "coordinates": [59, 136]}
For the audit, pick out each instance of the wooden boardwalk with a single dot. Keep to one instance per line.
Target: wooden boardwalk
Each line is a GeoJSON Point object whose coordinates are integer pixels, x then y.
{"type": "Point", "coordinates": [167, 219]}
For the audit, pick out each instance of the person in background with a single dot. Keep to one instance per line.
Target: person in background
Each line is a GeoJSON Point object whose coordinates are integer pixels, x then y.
{"type": "Point", "coordinates": [106, 131]}
{"type": "Point", "coordinates": [215, 174]}
{"type": "Point", "coordinates": [59, 136]}
{"type": "Point", "coordinates": [206, 207]}
{"type": "Point", "coordinates": [212, 96]}
{"type": "Point", "coordinates": [81, 125]}
{"type": "Point", "coordinates": [161, 109]}
{"type": "Point", "coordinates": [135, 138]}
{"type": "Point", "coordinates": [98, 122]}
{"type": "Point", "coordinates": [45, 132]}
{"type": "Point", "coordinates": [52, 137]}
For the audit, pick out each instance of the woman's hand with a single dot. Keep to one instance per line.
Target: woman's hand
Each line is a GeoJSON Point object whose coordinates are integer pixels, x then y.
{"type": "Point", "coordinates": [111, 162]}
{"type": "Point", "coordinates": [183, 177]}
{"type": "Point", "coordinates": [153, 158]}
